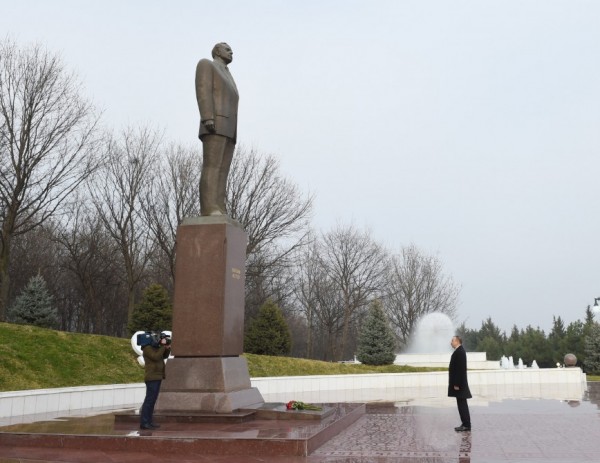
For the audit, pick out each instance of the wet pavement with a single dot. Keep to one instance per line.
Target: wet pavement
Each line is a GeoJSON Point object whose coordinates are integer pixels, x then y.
{"type": "Point", "coordinates": [511, 430]}
{"type": "Point", "coordinates": [413, 431]}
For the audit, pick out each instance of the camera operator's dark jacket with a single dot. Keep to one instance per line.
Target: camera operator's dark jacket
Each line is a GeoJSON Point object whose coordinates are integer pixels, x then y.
{"type": "Point", "coordinates": [154, 362]}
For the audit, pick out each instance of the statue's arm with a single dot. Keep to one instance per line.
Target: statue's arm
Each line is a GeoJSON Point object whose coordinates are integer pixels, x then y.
{"type": "Point", "coordinates": [204, 88]}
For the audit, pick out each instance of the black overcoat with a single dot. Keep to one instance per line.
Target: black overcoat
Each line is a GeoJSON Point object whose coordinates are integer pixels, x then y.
{"type": "Point", "coordinates": [457, 374]}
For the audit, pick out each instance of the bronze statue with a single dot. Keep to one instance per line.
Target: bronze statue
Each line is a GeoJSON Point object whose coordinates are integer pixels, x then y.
{"type": "Point", "coordinates": [218, 99]}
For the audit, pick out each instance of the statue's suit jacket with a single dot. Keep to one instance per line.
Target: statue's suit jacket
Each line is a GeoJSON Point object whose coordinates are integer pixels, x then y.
{"type": "Point", "coordinates": [217, 98]}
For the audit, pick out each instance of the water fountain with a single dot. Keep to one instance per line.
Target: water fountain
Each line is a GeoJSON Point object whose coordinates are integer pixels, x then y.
{"type": "Point", "coordinates": [430, 345]}
{"type": "Point", "coordinates": [508, 363]}
{"type": "Point", "coordinates": [432, 335]}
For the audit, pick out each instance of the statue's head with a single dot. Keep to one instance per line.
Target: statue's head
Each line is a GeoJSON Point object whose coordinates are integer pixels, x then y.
{"type": "Point", "coordinates": [223, 51]}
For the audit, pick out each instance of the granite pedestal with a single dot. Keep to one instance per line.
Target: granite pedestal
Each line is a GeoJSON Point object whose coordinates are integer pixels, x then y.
{"type": "Point", "coordinates": [207, 373]}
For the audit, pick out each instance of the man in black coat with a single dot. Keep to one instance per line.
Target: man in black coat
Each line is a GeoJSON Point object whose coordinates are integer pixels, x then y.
{"type": "Point", "coordinates": [457, 383]}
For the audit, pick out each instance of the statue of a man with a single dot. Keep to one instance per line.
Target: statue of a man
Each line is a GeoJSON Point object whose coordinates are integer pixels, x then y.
{"type": "Point", "coordinates": [218, 99]}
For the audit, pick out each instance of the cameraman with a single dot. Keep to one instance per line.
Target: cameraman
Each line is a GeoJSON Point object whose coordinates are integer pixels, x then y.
{"type": "Point", "coordinates": [154, 367]}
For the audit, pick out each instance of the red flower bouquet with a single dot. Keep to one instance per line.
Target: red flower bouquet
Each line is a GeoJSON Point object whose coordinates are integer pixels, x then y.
{"type": "Point", "coordinates": [297, 405]}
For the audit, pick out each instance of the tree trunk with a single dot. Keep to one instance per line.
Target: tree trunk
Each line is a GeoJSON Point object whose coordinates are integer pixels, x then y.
{"type": "Point", "coordinates": [6, 239]}
{"type": "Point", "coordinates": [347, 313]}
{"type": "Point", "coordinates": [344, 334]}
{"type": "Point", "coordinates": [4, 280]}
{"type": "Point", "coordinates": [130, 302]}
{"type": "Point", "coordinates": [309, 334]}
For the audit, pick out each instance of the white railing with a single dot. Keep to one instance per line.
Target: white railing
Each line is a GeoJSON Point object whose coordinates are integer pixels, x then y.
{"type": "Point", "coordinates": [70, 399]}
{"type": "Point", "coordinates": [551, 383]}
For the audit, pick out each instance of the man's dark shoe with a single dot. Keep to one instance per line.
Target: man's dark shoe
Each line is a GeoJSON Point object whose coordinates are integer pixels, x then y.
{"type": "Point", "coordinates": [462, 428]}
{"type": "Point", "coordinates": [149, 426]}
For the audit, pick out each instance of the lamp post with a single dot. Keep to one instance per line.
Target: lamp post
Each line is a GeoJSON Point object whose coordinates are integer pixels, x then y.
{"type": "Point", "coordinates": [596, 307]}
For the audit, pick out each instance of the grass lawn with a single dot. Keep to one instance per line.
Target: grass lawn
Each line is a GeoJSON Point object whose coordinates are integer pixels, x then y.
{"type": "Point", "coordinates": [264, 365]}
{"type": "Point", "coordinates": [37, 358]}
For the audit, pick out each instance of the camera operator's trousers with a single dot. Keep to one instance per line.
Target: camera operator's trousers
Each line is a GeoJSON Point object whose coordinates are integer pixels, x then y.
{"type": "Point", "coordinates": [152, 390]}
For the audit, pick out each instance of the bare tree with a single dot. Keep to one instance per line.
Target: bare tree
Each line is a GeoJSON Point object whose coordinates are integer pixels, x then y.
{"type": "Point", "coordinates": [34, 253]}
{"type": "Point", "coordinates": [172, 196]}
{"type": "Point", "coordinates": [356, 264]}
{"type": "Point", "coordinates": [417, 286]}
{"type": "Point", "coordinates": [319, 301]}
{"type": "Point", "coordinates": [306, 291]}
{"type": "Point", "coordinates": [271, 209]}
{"type": "Point", "coordinates": [46, 141]}
{"type": "Point", "coordinates": [276, 217]}
{"type": "Point", "coordinates": [329, 318]}
{"type": "Point", "coordinates": [92, 288]}
{"type": "Point", "coordinates": [269, 206]}
{"type": "Point", "coordinates": [349, 272]}
{"type": "Point", "coordinates": [117, 192]}
{"type": "Point", "coordinates": [269, 277]}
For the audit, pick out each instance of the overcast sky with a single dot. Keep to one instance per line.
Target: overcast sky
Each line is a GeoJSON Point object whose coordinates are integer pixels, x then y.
{"type": "Point", "coordinates": [469, 128]}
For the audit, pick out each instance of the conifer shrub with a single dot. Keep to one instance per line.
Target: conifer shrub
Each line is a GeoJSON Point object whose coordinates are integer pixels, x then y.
{"type": "Point", "coordinates": [268, 333]}
{"type": "Point", "coordinates": [154, 312]}
{"type": "Point", "coordinates": [376, 342]}
{"type": "Point", "coordinates": [34, 306]}
{"type": "Point", "coordinates": [592, 350]}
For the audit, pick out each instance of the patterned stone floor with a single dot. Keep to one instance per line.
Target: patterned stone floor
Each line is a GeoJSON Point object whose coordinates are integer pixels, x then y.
{"type": "Point", "coordinates": [522, 431]}
{"type": "Point", "coordinates": [511, 430]}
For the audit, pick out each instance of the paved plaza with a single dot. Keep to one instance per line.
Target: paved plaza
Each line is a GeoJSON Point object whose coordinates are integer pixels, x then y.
{"type": "Point", "coordinates": [512, 430]}
{"type": "Point", "coordinates": [415, 431]}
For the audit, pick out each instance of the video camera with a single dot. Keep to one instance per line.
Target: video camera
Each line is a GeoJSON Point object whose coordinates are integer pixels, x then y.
{"type": "Point", "coordinates": [150, 338]}
{"type": "Point", "coordinates": [166, 337]}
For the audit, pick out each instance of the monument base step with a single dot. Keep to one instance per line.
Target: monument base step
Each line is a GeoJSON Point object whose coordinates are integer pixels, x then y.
{"type": "Point", "coordinates": [258, 437]}
{"type": "Point", "coordinates": [187, 417]}
{"type": "Point", "coordinates": [208, 402]}
{"type": "Point", "coordinates": [267, 411]}
{"type": "Point", "coordinates": [278, 411]}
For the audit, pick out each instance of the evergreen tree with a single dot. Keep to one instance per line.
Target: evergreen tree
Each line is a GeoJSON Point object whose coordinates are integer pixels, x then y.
{"type": "Point", "coordinates": [268, 333]}
{"type": "Point", "coordinates": [575, 341]}
{"type": "Point", "coordinates": [534, 346]}
{"type": "Point", "coordinates": [154, 312]}
{"type": "Point", "coordinates": [588, 327]}
{"type": "Point", "coordinates": [592, 350]}
{"type": "Point", "coordinates": [589, 322]}
{"type": "Point", "coordinates": [468, 336]}
{"type": "Point", "coordinates": [34, 305]}
{"type": "Point", "coordinates": [589, 316]}
{"type": "Point", "coordinates": [513, 344]}
{"type": "Point", "coordinates": [491, 347]}
{"type": "Point", "coordinates": [376, 343]}
{"type": "Point", "coordinates": [557, 340]}
{"type": "Point", "coordinates": [490, 330]}
{"type": "Point", "coordinates": [558, 328]}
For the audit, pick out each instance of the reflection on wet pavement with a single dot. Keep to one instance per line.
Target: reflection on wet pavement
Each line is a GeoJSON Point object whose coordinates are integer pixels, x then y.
{"type": "Point", "coordinates": [415, 431]}
{"type": "Point", "coordinates": [95, 424]}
